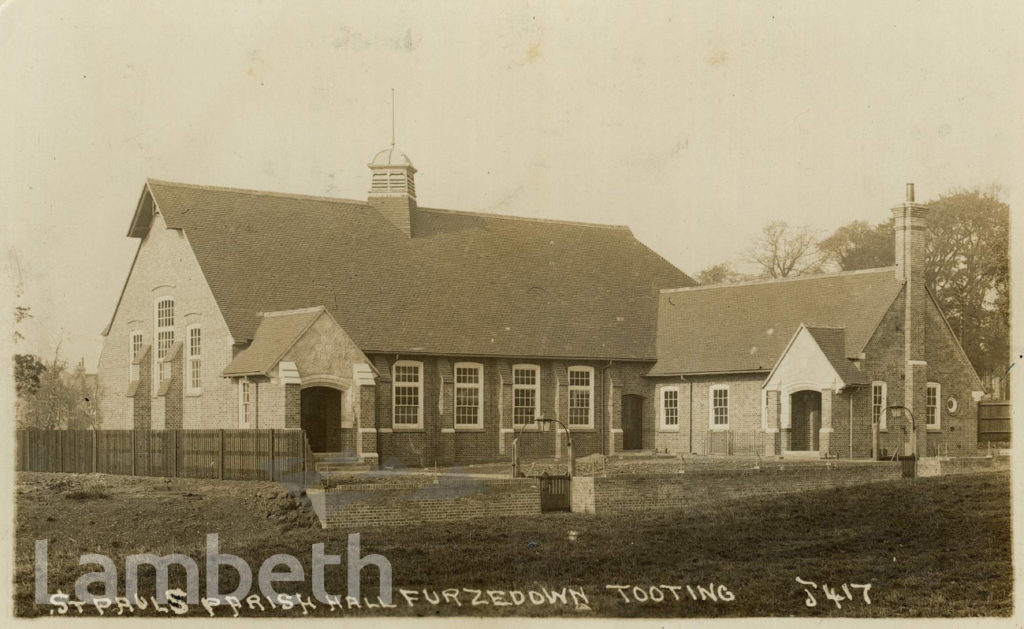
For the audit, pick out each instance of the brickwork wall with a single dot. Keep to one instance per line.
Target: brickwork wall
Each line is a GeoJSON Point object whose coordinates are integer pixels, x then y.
{"type": "Point", "coordinates": [628, 493]}
{"type": "Point", "coordinates": [405, 503]}
{"type": "Point", "coordinates": [173, 400]}
{"type": "Point", "coordinates": [166, 267]}
{"type": "Point", "coordinates": [744, 415]}
{"type": "Point", "coordinates": [142, 401]}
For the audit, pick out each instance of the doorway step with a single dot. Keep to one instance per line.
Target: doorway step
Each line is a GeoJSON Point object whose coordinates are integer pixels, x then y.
{"type": "Point", "coordinates": [801, 454]}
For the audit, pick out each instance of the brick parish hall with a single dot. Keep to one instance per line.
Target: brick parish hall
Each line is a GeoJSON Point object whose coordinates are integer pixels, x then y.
{"type": "Point", "coordinates": [387, 330]}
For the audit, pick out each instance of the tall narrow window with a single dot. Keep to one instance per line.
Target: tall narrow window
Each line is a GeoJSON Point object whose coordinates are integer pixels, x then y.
{"type": "Point", "coordinates": [878, 403]}
{"type": "Point", "coordinates": [525, 394]}
{"type": "Point", "coordinates": [244, 402]}
{"type": "Point", "coordinates": [195, 361]}
{"type": "Point", "coordinates": [931, 405]}
{"type": "Point", "coordinates": [581, 396]}
{"type": "Point", "coordinates": [469, 383]}
{"type": "Point", "coordinates": [164, 332]}
{"type": "Point", "coordinates": [720, 407]}
{"type": "Point", "coordinates": [134, 347]}
{"type": "Point", "coordinates": [670, 408]}
{"type": "Point", "coordinates": [408, 394]}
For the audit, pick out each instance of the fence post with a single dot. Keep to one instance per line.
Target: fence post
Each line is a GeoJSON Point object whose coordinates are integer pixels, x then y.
{"type": "Point", "coordinates": [133, 451]}
{"type": "Point", "coordinates": [94, 457]}
{"type": "Point", "coordinates": [221, 431]}
{"type": "Point", "coordinates": [60, 450]}
{"type": "Point", "coordinates": [271, 454]}
{"type": "Point", "coordinates": [174, 451]}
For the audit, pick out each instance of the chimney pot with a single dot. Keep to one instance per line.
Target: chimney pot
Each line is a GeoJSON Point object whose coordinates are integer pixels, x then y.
{"type": "Point", "coordinates": [910, 193]}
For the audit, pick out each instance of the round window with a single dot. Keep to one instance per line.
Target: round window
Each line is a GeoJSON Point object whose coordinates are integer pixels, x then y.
{"type": "Point", "coordinates": [952, 405]}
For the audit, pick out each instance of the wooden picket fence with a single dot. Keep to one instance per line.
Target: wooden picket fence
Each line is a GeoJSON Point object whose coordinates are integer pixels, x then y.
{"type": "Point", "coordinates": [217, 454]}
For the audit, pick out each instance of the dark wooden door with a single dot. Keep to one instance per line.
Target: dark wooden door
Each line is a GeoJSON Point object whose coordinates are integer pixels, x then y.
{"type": "Point", "coordinates": [321, 413]}
{"type": "Point", "coordinates": [632, 422]}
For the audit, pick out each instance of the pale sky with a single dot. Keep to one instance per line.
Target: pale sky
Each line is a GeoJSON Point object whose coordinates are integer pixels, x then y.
{"type": "Point", "coordinates": [693, 123]}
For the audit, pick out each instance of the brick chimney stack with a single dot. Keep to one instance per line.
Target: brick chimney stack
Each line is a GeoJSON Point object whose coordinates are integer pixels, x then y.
{"type": "Point", "coordinates": [910, 222]}
{"type": "Point", "coordinates": [393, 188]}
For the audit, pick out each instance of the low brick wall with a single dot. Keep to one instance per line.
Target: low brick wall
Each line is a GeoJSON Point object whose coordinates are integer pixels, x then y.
{"type": "Point", "coordinates": [426, 500]}
{"type": "Point", "coordinates": [961, 465]}
{"type": "Point", "coordinates": [627, 493]}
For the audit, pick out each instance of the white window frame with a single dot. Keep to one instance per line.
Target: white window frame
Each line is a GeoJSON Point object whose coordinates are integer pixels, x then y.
{"type": "Point", "coordinates": [937, 424]}
{"type": "Point", "coordinates": [192, 361]}
{"type": "Point", "coordinates": [244, 402]}
{"type": "Point", "coordinates": [663, 409]}
{"type": "Point", "coordinates": [883, 419]}
{"type": "Point", "coordinates": [576, 387]}
{"type": "Point", "coordinates": [711, 407]}
{"type": "Point", "coordinates": [535, 387]}
{"type": "Point", "coordinates": [478, 386]}
{"type": "Point", "coordinates": [133, 354]}
{"type": "Point", "coordinates": [157, 329]}
{"type": "Point", "coordinates": [418, 385]}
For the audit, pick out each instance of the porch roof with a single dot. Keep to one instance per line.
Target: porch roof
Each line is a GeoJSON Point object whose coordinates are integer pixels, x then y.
{"type": "Point", "coordinates": [275, 335]}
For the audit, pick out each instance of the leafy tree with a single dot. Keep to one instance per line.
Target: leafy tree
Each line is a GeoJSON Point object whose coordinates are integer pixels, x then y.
{"type": "Point", "coordinates": [27, 371]}
{"type": "Point", "coordinates": [860, 245]}
{"type": "Point", "coordinates": [781, 250]}
{"type": "Point", "coordinates": [968, 272]}
{"type": "Point", "coordinates": [62, 400]}
{"type": "Point", "coordinates": [967, 267]}
{"type": "Point", "coordinates": [722, 273]}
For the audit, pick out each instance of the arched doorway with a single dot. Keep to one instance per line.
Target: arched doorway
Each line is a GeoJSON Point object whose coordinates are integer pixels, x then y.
{"type": "Point", "coordinates": [321, 418]}
{"type": "Point", "coordinates": [632, 422]}
{"type": "Point", "coordinates": [805, 416]}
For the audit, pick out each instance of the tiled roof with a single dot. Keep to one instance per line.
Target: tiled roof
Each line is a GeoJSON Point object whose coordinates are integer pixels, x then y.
{"type": "Point", "coordinates": [832, 342]}
{"type": "Point", "coordinates": [745, 327]}
{"type": "Point", "coordinates": [470, 284]}
{"type": "Point", "coordinates": [276, 333]}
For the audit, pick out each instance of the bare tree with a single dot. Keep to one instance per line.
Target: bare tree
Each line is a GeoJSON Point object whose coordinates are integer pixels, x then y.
{"type": "Point", "coordinates": [781, 250]}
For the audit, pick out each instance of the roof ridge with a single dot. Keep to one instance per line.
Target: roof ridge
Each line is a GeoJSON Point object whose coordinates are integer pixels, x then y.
{"type": "Point", "coordinates": [523, 218]}
{"type": "Point", "coordinates": [294, 311]}
{"type": "Point", "coordinates": [268, 193]}
{"type": "Point", "coordinates": [819, 276]}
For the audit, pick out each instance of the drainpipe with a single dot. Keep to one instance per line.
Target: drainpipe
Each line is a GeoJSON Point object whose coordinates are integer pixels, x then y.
{"type": "Point", "coordinates": [851, 424]}
{"type": "Point", "coordinates": [691, 412]}
{"type": "Point", "coordinates": [607, 429]}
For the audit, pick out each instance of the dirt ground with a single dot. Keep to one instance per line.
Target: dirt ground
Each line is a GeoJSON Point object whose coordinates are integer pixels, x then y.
{"type": "Point", "coordinates": [929, 547]}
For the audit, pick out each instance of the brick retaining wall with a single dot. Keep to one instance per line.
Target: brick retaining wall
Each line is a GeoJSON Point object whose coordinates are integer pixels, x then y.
{"type": "Point", "coordinates": [405, 502]}
{"type": "Point", "coordinates": [627, 493]}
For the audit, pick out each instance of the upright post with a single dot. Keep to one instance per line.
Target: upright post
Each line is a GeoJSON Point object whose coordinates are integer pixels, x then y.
{"type": "Point", "coordinates": [133, 451]}
{"type": "Point", "coordinates": [221, 475]}
{"type": "Point", "coordinates": [874, 441]}
{"type": "Point", "coordinates": [95, 458]}
{"type": "Point", "coordinates": [174, 451]}
{"type": "Point", "coordinates": [271, 463]}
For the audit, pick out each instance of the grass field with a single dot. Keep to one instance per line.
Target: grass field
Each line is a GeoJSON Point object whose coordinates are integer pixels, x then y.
{"type": "Point", "coordinates": [928, 547]}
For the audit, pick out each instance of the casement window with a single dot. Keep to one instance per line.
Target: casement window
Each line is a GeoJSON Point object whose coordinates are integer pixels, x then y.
{"type": "Point", "coordinates": [164, 334]}
{"type": "Point", "coordinates": [931, 405]}
{"type": "Point", "coordinates": [719, 407]}
{"type": "Point", "coordinates": [525, 394]}
{"type": "Point", "coordinates": [878, 405]}
{"type": "Point", "coordinates": [581, 396]}
{"type": "Point", "coordinates": [469, 395]}
{"type": "Point", "coordinates": [134, 347]}
{"type": "Point", "coordinates": [670, 408]}
{"type": "Point", "coordinates": [245, 403]}
{"type": "Point", "coordinates": [407, 378]}
{"type": "Point", "coordinates": [194, 360]}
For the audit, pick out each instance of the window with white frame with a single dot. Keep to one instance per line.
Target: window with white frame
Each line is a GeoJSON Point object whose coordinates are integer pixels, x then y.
{"type": "Point", "coordinates": [134, 347]}
{"type": "Point", "coordinates": [878, 404]}
{"type": "Point", "coordinates": [581, 396]}
{"type": "Point", "coordinates": [164, 334]}
{"type": "Point", "coordinates": [931, 405]}
{"type": "Point", "coordinates": [244, 402]}
{"type": "Point", "coordinates": [525, 394]}
{"type": "Point", "coordinates": [719, 405]}
{"type": "Point", "coordinates": [194, 363]}
{"type": "Point", "coordinates": [670, 408]}
{"type": "Point", "coordinates": [469, 395]}
{"type": "Point", "coordinates": [408, 394]}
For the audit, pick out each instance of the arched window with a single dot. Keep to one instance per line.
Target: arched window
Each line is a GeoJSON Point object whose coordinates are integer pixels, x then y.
{"type": "Point", "coordinates": [164, 332]}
